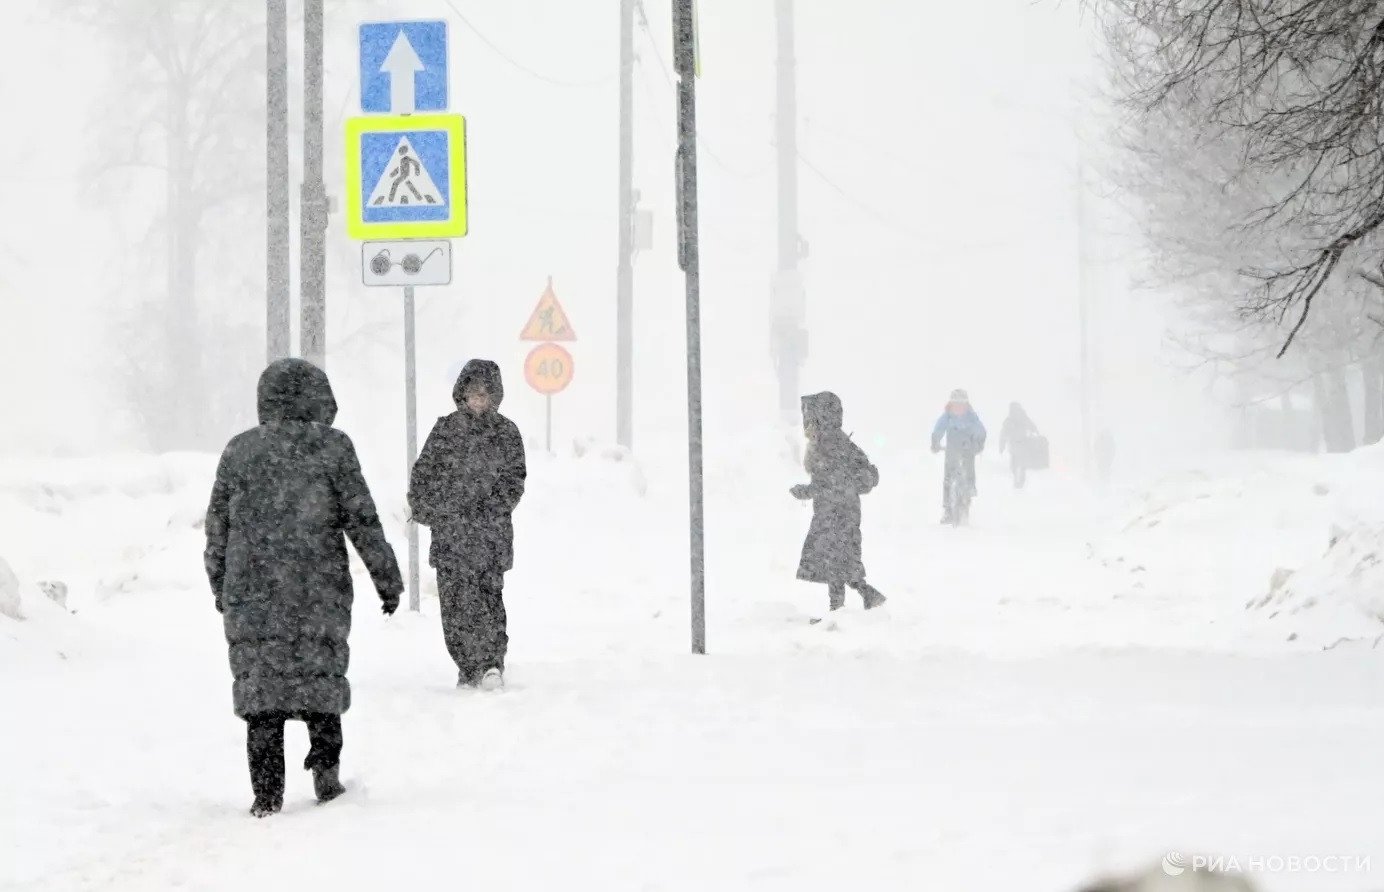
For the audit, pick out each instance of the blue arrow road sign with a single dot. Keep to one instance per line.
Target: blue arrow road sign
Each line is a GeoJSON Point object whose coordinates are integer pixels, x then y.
{"type": "Point", "coordinates": [403, 67]}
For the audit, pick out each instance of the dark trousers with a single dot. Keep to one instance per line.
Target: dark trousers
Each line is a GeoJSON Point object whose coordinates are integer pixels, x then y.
{"type": "Point", "coordinates": [836, 591]}
{"type": "Point", "coordinates": [474, 623]}
{"type": "Point", "coordinates": [264, 744]}
{"type": "Point", "coordinates": [958, 463]}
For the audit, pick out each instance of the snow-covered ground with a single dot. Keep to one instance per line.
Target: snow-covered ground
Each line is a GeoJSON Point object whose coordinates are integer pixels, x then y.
{"type": "Point", "coordinates": [1073, 684]}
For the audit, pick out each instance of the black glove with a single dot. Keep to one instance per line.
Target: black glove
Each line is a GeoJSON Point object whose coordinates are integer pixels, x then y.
{"type": "Point", "coordinates": [389, 604]}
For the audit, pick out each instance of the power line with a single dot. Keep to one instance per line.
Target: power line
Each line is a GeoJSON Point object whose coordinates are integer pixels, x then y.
{"type": "Point", "coordinates": [538, 75]}
{"type": "Point", "coordinates": [859, 205]}
{"type": "Point", "coordinates": [915, 238]}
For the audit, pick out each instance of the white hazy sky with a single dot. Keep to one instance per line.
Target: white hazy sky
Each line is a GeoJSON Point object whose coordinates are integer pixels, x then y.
{"type": "Point", "coordinates": [942, 226]}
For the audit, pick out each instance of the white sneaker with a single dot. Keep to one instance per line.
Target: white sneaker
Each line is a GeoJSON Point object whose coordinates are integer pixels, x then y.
{"type": "Point", "coordinates": [492, 680]}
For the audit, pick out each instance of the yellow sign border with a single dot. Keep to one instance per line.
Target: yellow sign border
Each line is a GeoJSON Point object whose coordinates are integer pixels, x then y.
{"type": "Point", "coordinates": [455, 226]}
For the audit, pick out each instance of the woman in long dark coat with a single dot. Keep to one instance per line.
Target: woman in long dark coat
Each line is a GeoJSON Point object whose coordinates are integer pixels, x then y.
{"type": "Point", "coordinates": [840, 474]}
{"type": "Point", "coordinates": [288, 494]}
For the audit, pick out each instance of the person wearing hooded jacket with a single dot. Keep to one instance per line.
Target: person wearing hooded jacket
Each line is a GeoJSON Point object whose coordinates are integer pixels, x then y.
{"type": "Point", "coordinates": [465, 486]}
{"type": "Point", "coordinates": [1017, 435]}
{"type": "Point", "coordinates": [839, 473]}
{"type": "Point", "coordinates": [287, 496]}
{"type": "Point", "coordinates": [961, 430]}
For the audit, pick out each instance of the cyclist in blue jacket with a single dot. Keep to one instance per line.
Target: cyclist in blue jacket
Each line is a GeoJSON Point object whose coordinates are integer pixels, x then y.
{"type": "Point", "coordinates": [961, 430]}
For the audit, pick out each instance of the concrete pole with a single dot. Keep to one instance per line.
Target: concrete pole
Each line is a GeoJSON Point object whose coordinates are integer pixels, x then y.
{"type": "Point", "coordinates": [624, 296]}
{"type": "Point", "coordinates": [313, 236]}
{"type": "Point", "coordinates": [278, 311]}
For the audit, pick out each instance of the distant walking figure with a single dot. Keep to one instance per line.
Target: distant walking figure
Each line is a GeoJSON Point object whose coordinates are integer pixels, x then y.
{"type": "Point", "coordinates": [465, 487]}
{"type": "Point", "coordinates": [1026, 446]}
{"type": "Point", "coordinates": [840, 473]}
{"type": "Point", "coordinates": [288, 494]}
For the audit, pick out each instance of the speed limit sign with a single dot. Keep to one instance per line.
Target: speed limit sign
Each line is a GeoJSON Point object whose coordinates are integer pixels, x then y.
{"type": "Point", "coordinates": [548, 369]}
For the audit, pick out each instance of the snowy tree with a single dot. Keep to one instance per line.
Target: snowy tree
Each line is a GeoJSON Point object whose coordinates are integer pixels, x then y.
{"type": "Point", "coordinates": [179, 156]}
{"type": "Point", "coordinates": [1247, 232]}
{"type": "Point", "coordinates": [1299, 88]}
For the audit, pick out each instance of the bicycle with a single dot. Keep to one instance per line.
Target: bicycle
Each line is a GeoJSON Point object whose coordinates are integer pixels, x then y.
{"type": "Point", "coordinates": [959, 491]}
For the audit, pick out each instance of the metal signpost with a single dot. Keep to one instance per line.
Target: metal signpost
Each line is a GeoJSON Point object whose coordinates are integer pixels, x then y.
{"type": "Point", "coordinates": [406, 185]}
{"type": "Point", "coordinates": [549, 367]}
{"type": "Point", "coordinates": [685, 63]}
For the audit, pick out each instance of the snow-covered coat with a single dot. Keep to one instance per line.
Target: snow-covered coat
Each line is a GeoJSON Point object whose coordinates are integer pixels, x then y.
{"type": "Point", "coordinates": [468, 480]}
{"type": "Point", "coordinates": [840, 474]}
{"type": "Point", "coordinates": [288, 494]}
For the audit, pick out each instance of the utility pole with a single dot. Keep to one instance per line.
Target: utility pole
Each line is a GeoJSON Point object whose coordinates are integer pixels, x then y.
{"type": "Point", "coordinates": [689, 258]}
{"type": "Point", "coordinates": [624, 287]}
{"type": "Point", "coordinates": [1083, 306]}
{"type": "Point", "coordinates": [278, 321]}
{"type": "Point", "coordinates": [789, 303]}
{"type": "Point", "coordinates": [313, 235]}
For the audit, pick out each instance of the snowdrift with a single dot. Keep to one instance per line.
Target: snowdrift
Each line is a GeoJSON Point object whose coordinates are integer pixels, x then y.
{"type": "Point", "coordinates": [1292, 543]}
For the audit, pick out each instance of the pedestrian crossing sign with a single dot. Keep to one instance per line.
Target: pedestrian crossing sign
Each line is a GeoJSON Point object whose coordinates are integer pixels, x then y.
{"type": "Point", "coordinates": [406, 177]}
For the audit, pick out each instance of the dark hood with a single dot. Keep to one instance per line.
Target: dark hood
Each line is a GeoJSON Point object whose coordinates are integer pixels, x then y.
{"type": "Point", "coordinates": [295, 390]}
{"type": "Point", "coordinates": [823, 411]}
{"type": "Point", "coordinates": [487, 374]}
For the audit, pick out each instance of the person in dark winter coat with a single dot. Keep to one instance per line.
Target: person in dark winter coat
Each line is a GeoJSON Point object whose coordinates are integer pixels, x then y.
{"type": "Point", "coordinates": [964, 436]}
{"type": "Point", "coordinates": [465, 487]}
{"type": "Point", "coordinates": [288, 494]}
{"type": "Point", "coordinates": [840, 474]}
{"type": "Point", "coordinates": [1016, 434]}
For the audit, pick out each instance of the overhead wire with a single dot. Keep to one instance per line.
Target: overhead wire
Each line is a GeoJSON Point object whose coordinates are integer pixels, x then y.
{"type": "Point", "coordinates": [538, 75]}
{"type": "Point", "coordinates": [915, 238]}
{"type": "Point", "coordinates": [702, 143]}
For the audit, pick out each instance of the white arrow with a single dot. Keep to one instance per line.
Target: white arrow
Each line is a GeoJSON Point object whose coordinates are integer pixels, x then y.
{"type": "Point", "coordinates": [401, 65]}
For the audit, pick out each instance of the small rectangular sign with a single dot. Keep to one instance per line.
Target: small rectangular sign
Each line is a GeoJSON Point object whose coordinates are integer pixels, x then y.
{"type": "Point", "coordinates": [408, 262]}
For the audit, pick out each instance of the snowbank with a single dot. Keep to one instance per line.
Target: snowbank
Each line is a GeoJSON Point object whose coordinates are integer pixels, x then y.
{"type": "Point", "coordinates": [103, 526]}
{"type": "Point", "coordinates": [1291, 543]}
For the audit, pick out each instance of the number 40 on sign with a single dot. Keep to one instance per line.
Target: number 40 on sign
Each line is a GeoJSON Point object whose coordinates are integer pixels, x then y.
{"type": "Point", "coordinates": [549, 369]}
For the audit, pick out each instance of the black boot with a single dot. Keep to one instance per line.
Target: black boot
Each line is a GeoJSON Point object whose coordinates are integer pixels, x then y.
{"type": "Point", "coordinates": [263, 808]}
{"type": "Point", "coordinates": [871, 595]}
{"type": "Point", "coordinates": [326, 783]}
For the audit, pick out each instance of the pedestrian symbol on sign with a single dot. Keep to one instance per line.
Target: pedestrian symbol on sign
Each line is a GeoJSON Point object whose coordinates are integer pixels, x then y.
{"type": "Point", "coordinates": [549, 322]}
{"type": "Point", "coordinates": [406, 177]}
{"type": "Point", "coordinates": [405, 183]}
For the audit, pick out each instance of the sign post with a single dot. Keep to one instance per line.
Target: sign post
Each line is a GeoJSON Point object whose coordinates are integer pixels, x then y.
{"type": "Point", "coordinates": [411, 436]}
{"type": "Point", "coordinates": [549, 370]}
{"type": "Point", "coordinates": [685, 64]}
{"type": "Point", "coordinates": [406, 187]}
{"type": "Point", "coordinates": [549, 367]}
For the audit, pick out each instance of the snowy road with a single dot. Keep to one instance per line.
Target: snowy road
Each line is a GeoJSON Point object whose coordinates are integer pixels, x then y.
{"type": "Point", "coordinates": [1006, 723]}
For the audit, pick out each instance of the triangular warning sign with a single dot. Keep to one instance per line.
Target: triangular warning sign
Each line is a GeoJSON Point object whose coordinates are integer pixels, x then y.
{"type": "Point", "coordinates": [549, 322]}
{"type": "Point", "coordinates": [405, 182]}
